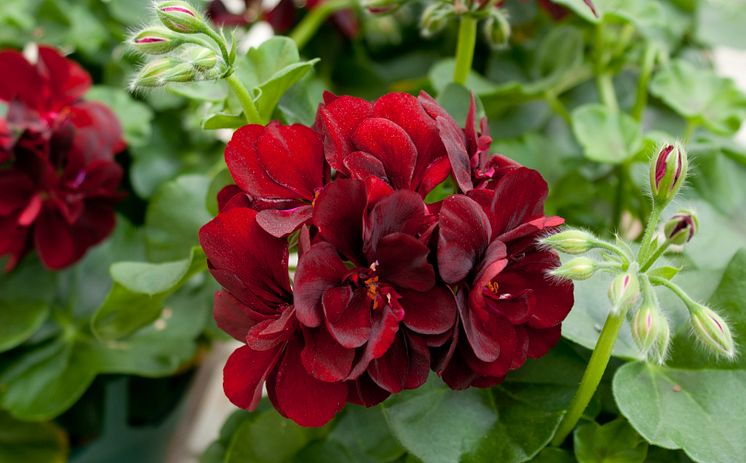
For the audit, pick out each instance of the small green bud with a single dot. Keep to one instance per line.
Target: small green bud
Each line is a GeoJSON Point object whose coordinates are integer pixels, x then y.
{"type": "Point", "coordinates": [435, 18]}
{"type": "Point", "coordinates": [668, 172]}
{"type": "Point", "coordinates": [712, 331]}
{"type": "Point", "coordinates": [180, 17]}
{"type": "Point", "coordinates": [579, 268]}
{"type": "Point", "coordinates": [202, 59]}
{"type": "Point", "coordinates": [680, 228]}
{"type": "Point", "coordinates": [624, 291]}
{"type": "Point", "coordinates": [162, 71]}
{"type": "Point", "coordinates": [571, 241]}
{"type": "Point", "coordinates": [651, 332]}
{"type": "Point", "coordinates": [156, 41]}
{"type": "Point", "coordinates": [496, 29]}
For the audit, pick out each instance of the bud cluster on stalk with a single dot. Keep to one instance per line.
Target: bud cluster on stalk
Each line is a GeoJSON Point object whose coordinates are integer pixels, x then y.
{"type": "Point", "coordinates": [181, 47]}
{"type": "Point", "coordinates": [438, 14]}
{"type": "Point", "coordinates": [631, 292]}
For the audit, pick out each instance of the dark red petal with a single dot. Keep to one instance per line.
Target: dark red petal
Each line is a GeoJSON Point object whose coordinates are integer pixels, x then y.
{"type": "Point", "coordinates": [16, 190]}
{"type": "Point", "coordinates": [336, 120]}
{"type": "Point", "coordinates": [323, 357]}
{"type": "Point", "coordinates": [520, 354]}
{"type": "Point", "coordinates": [541, 341]}
{"type": "Point", "coordinates": [268, 334]}
{"type": "Point", "coordinates": [400, 212]}
{"type": "Point", "coordinates": [244, 374]}
{"type": "Point", "coordinates": [348, 315]}
{"type": "Point", "coordinates": [362, 165]}
{"type": "Point", "coordinates": [242, 158]}
{"type": "Point", "coordinates": [20, 80]}
{"type": "Point", "coordinates": [404, 366]}
{"type": "Point", "coordinates": [518, 198]}
{"type": "Point", "coordinates": [494, 261]}
{"type": "Point", "coordinates": [293, 157]}
{"type": "Point", "coordinates": [531, 228]}
{"type": "Point", "coordinates": [430, 312]}
{"type": "Point", "coordinates": [233, 316]}
{"type": "Point", "coordinates": [319, 269]}
{"type": "Point", "coordinates": [391, 145]}
{"type": "Point", "coordinates": [280, 223]}
{"type": "Point", "coordinates": [13, 240]}
{"type": "Point", "coordinates": [385, 327]}
{"type": "Point", "coordinates": [363, 391]}
{"type": "Point", "coordinates": [301, 397]}
{"type": "Point", "coordinates": [402, 261]}
{"type": "Point", "coordinates": [54, 240]}
{"type": "Point", "coordinates": [67, 79]}
{"type": "Point", "coordinates": [453, 139]}
{"type": "Point", "coordinates": [245, 259]}
{"type": "Point", "coordinates": [505, 334]}
{"type": "Point", "coordinates": [231, 196]}
{"type": "Point", "coordinates": [463, 238]}
{"type": "Point", "coordinates": [338, 214]}
{"type": "Point", "coordinates": [434, 175]}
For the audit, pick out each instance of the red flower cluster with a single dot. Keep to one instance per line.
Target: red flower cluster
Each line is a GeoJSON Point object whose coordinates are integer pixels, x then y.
{"type": "Point", "coordinates": [58, 178]}
{"type": "Point", "coordinates": [387, 286]}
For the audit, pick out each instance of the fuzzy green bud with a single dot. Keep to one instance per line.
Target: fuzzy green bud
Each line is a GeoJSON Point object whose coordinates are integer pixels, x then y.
{"type": "Point", "coordinates": [496, 29]}
{"type": "Point", "coordinates": [156, 41]}
{"type": "Point", "coordinates": [651, 332]}
{"type": "Point", "coordinates": [712, 331]}
{"type": "Point", "coordinates": [435, 18]}
{"type": "Point", "coordinates": [668, 172]}
{"type": "Point", "coordinates": [624, 291]}
{"type": "Point", "coordinates": [571, 241]}
{"type": "Point", "coordinates": [202, 59]}
{"type": "Point", "coordinates": [579, 268]}
{"type": "Point", "coordinates": [680, 228]}
{"type": "Point", "coordinates": [180, 17]}
{"type": "Point", "coordinates": [382, 6]}
{"type": "Point", "coordinates": [162, 71]}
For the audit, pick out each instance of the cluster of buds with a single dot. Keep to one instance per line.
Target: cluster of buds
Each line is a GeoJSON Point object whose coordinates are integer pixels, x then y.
{"type": "Point", "coordinates": [631, 291]}
{"type": "Point", "coordinates": [438, 14]}
{"type": "Point", "coordinates": [181, 48]}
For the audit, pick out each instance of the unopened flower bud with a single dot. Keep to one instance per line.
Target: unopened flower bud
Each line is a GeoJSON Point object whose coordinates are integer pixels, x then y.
{"type": "Point", "coordinates": [651, 332]}
{"type": "Point", "coordinates": [668, 172]}
{"type": "Point", "coordinates": [203, 59]}
{"type": "Point", "coordinates": [382, 6]}
{"type": "Point", "coordinates": [435, 18]}
{"type": "Point", "coordinates": [580, 268]}
{"type": "Point", "coordinates": [496, 29]}
{"type": "Point", "coordinates": [156, 41]}
{"type": "Point", "coordinates": [180, 17]}
{"type": "Point", "coordinates": [624, 291]}
{"type": "Point", "coordinates": [712, 331]}
{"type": "Point", "coordinates": [571, 241]}
{"type": "Point", "coordinates": [681, 227]}
{"type": "Point", "coordinates": [162, 71]}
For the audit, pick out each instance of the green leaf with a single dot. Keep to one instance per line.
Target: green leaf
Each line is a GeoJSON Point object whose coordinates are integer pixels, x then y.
{"type": "Point", "coordinates": [613, 442]}
{"type": "Point", "coordinates": [212, 90]}
{"type": "Point", "coordinates": [643, 13]}
{"type": "Point", "coordinates": [665, 271]}
{"type": "Point", "coordinates": [722, 22]}
{"type": "Point", "coordinates": [553, 455]}
{"type": "Point", "coordinates": [223, 121]}
{"type": "Point", "coordinates": [134, 116]}
{"type": "Point", "coordinates": [701, 95]}
{"type": "Point", "coordinates": [364, 434]}
{"type": "Point", "coordinates": [174, 216]}
{"type": "Point", "coordinates": [606, 135]}
{"type": "Point", "coordinates": [31, 442]}
{"type": "Point", "coordinates": [220, 180]}
{"type": "Point", "coordinates": [699, 411]}
{"type": "Point", "coordinates": [139, 292]}
{"type": "Point", "coordinates": [19, 320]}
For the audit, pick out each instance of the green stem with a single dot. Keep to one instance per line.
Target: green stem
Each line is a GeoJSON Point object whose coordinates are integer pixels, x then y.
{"type": "Point", "coordinates": [649, 236]}
{"type": "Point", "coordinates": [558, 107]}
{"type": "Point", "coordinates": [641, 99]}
{"type": "Point", "coordinates": [680, 293]}
{"type": "Point", "coordinates": [467, 39]}
{"type": "Point", "coordinates": [658, 252]}
{"type": "Point", "coordinates": [592, 376]}
{"type": "Point", "coordinates": [619, 200]}
{"type": "Point", "coordinates": [310, 24]}
{"type": "Point", "coordinates": [244, 97]}
{"type": "Point", "coordinates": [605, 86]}
{"type": "Point", "coordinates": [220, 41]}
{"type": "Point", "coordinates": [691, 127]}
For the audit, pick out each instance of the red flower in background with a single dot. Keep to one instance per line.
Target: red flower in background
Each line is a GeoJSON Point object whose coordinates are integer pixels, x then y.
{"type": "Point", "coordinates": [387, 287]}
{"type": "Point", "coordinates": [59, 179]}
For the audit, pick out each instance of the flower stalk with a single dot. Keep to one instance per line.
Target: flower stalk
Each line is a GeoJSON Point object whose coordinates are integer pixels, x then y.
{"type": "Point", "coordinates": [307, 28]}
{"type": "Point", "coordinates": [244, 97]}
{"type": "Point", "coordinates": [467, 39]}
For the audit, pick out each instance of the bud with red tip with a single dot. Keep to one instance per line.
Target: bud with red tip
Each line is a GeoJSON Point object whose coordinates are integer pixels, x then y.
{"type": "Point", "coordinates": [580, 268]}
{"type": "Point", "coordinates": [680, 228]}
{"type": "Point", "coordinates": [668, 172]}
{"type": "Point", "coordinates": [163, 71]}
{"type": "Point", "coordinates": [180, 17]}
{"type": "Point", "coordinates": [650, 329]}
{"type": "Point", "coordinates": [712, 330]}
{"type": "Point", "coordinates": [624, 291]}
{"type": "Point", "coordinates": [156, 41]}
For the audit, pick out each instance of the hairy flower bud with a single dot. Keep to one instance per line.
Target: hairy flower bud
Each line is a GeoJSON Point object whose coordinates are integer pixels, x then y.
{"type": "Point", "coordinates": [496, 29]}
{"type": "Point", "coordinates": [712, 331]}
{"type": "Point", "coordinates": [162, 71]}
{"type": "Point", "coordinates": [580, 268]}
{"type": "Point", "coordinates": [202, 59]}
{"type": "Point", "coordinates": [435, 18]}
{"type": "Point", "coordinates": [651, 332]}
{"type": "Point", "coordinates": [624, 291]}
{"type": "Point", "coordinates": [571, 241]}
{"type": "Point", "coordinates": [668, 172]}
{"type": "Point", "coordinates": [156, 41]}
{"type": "Point", "coordinates": [180, 17]}
{"type": "Point", "coordinates": [681, 227]}
{"type": "Point", "coordinates": [382, 6]}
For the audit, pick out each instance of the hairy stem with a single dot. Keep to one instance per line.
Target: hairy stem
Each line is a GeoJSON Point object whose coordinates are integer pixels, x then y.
{"type": "Point", "coordinates": [648, 238]}
{"type": "Point", "coordinates": [467, 39]}
{"type": "Point", "coordinates": [244, 97]}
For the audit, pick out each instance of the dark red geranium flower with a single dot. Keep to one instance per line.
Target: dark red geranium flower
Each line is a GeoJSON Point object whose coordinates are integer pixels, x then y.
{"type": "Point", "coordinates": [508, 308]}
{"type": "Point", "coordinates": [366, 294]}
{"type": "Point", "coordinates": [394, 139]}
{"type": "Point", "coordinates": [280, 169]}
{"type": "Point", "coordinates": [58, 189]}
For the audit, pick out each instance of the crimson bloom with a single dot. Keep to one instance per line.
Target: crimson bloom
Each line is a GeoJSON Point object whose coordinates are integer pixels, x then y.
{"type": "Point", "coordinates": [58, 185]}
{"type": "Point", "coordinates": [508, 308]}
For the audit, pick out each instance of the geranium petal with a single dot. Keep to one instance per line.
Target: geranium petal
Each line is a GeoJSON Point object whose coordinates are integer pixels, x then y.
{"type": "Point", "coordinates": [270, 333]}
{"type": "Point", "coordinates": [430, 312]}
{"type": "Point", "coordinates": [336, 120]}
{"type": "Point", "coordinates": [319, 270]}
{"type": "Point", "coordinates": [280, 223]}
{"type": "Point", "coordinates": [364, 391]}
{"type": "Point", "coordinates": [402, 261]}
{"type": "Point", "coordinates": [463, 237]}
{"type": "Point", "coordinates": [401, 211]}
{"type": "Point", "coordinates": [244, 374]}
{"type": "Point", "coordinates": [518, 198]}
{"type": "Point", "coordinates": [323, 357]}
{"type": "Point", "coordinates": [338, 214]}
{"type": "Point", "coordinates": [391, 145]}
{"type": "Point", "coordinates": [541, 341]}
{"type": "Point", "coordinates": [453, 139]}
{"type": "Point", "coordinates": [233, 316]}
{"type": "Point", "coordinates": [348, 316]}
{"type": "Point", "coordinates": [385, 327]}
{"type": "Point", "coordinates": [54, 240]}
{"type": "Point", "coordinates": [405, 365]}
